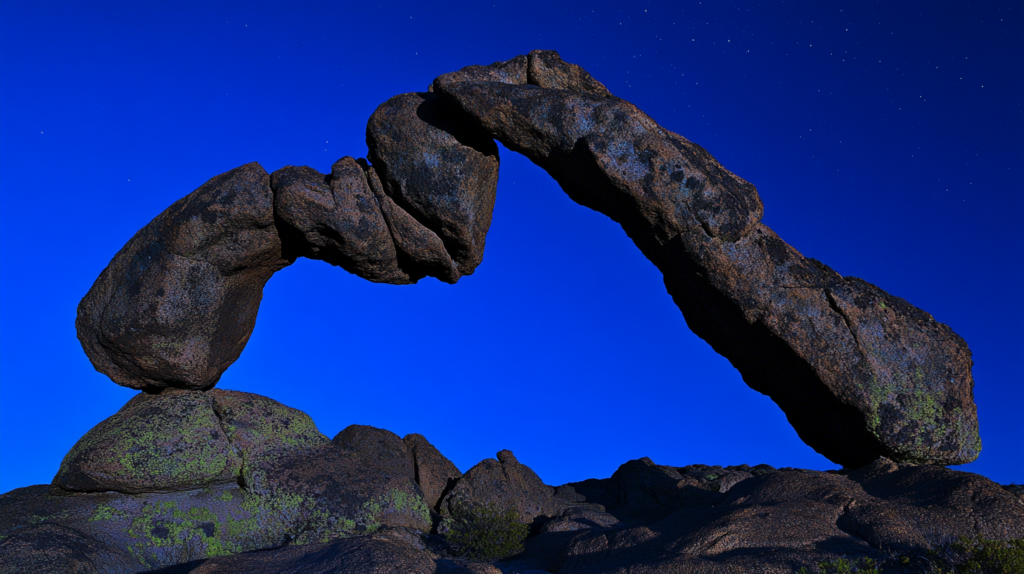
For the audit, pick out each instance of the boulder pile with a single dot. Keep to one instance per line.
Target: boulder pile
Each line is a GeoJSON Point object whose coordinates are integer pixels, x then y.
{"type": "Point", "coordinates": [192, 479]}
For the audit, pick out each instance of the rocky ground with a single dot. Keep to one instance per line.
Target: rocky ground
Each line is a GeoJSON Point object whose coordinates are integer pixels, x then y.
{"type": "Point", "coordinates": [223, 481]}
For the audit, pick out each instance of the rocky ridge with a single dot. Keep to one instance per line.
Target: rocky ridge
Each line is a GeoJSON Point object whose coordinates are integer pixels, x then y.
{"type": "Point", "coordinates": [257, 488]}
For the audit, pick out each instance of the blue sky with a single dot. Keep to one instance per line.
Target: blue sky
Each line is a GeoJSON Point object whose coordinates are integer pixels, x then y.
{"type": "Point", "coordinates": [886, 140]}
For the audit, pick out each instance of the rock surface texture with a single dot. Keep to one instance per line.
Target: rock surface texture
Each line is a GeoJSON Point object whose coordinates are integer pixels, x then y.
{"type": "Point", "coordinates": [439, 169]}
{"type": "Point", "coordinates": [177, 304]}
{"type": "Point", "coordinates": [182, 440]}
{"type": "Point", "coordinates": [506, 483]}
{"type": "Point", "coordinates": [860, 373]}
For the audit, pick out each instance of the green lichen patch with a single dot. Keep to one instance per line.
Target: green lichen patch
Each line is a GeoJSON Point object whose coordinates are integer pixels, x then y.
{"type": "Point", "coordinates": [913, 414]}
{"type": "Point", "coordinates": [322, 523]}
{"type": "Point", "coordinates": [162, 529]}
{"type": "Point", "coordinates": [257, 426]}
{"type": "Point", "coordinates": [170, 441]}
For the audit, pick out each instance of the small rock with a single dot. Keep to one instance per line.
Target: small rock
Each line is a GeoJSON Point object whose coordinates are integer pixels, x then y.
{"type": "Point", "coordinates": [546, 69]}
{"type": "Point", "coordinates": [506, 483]}
{"type": "Point", "coordinates": [381, 446]}
{"type": "Point", "coordinates": [508, 72]}
{"type": "Point", "coordinates": [434, 473]}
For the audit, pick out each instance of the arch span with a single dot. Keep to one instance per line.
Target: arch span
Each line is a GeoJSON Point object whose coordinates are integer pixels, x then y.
{"type": "Point", "coordinates": [858, 372]}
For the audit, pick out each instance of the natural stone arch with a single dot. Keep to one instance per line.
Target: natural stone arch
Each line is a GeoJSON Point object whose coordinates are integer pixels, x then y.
{"type": "Point", "coordinates": [858, 372]}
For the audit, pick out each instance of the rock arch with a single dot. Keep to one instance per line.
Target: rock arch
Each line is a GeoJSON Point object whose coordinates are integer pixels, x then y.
{"type": "Point", "coordinates": [859, 373]}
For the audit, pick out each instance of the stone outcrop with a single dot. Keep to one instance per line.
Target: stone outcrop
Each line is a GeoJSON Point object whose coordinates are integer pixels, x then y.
{"type": "Point", "coordinates": [384, 447]}
{"type": "Point", "coordinates": [186, 478]}
{"type": "Point", "coordinates": [182, 440]}
{"type": "Point", "coordinates": [136, 493]}
{"type": "Point", "coordinates": [435, 474]}
{"type": "Point", "coordinates": [507, 484]}
{"type": "Point", "coordinates": [50, 547]}
{"type": "Point", "coordinates": [177, 304]}
{"type": "Point", "coordinates": [781, 520]}
{"type": "Point", "coordinates": [356, 504]}
{"type": "Point", "coordinates": [376, 553]}
{"type": "Point", "coordinates": [860, 373]}
{"type": "Point", "coordinates": [165, 442]}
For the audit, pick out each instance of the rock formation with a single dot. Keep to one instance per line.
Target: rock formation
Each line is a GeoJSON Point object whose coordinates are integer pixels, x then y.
{"type": "Point", "coordinates": [337, 218]}
{"type": "Point", "coordinates": [187, 478]}
{"type": "Point", "coordinates": [859, 373]}
{"type": "Point", "coordinates": [295, 502]}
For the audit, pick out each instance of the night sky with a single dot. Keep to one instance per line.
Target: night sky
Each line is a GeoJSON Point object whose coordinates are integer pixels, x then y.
{"type": "Point", "coordinates": [886, 140]}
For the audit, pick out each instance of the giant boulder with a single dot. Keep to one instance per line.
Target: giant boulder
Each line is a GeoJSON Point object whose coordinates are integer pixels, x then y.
{"type": "Point", "coordinates": [183, 440]}
{"type": "Point", "coordinates": [177, 304]}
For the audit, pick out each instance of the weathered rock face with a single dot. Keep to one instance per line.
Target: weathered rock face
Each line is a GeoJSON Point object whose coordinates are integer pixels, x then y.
{"type": "Point", "coordinates": [377, 553]}
{"type": "Point", "coordinates": [337, 219]}
{"type": "Point", "coordinates": [152, 529]}
{"type": "Point", "coordinates": [344, 493]}
{"type": "Point", "coordinates": [52, 548]}
{"type": "Point", "coordinates": [505, 483]}
{"type": "Point", "coordinates": [354, 505]}
{"type": "Point", "coordinates": [382, 446]}
{"type": "Point", "coordinates": [187, 475]}
{"type": "Point", "coordinates": [770, 521]}
{"type": "Point", "coordinates": [177, 304]}
{"type": "Point", "coordinates": [544, 68]}
{"type": "Point", "coordinates": [165, 442]}
{"type": "Point", "coordinates": [858, 372]}
{"type": "Point", "coordinates": [439, 169]}
{"type": "Point", "coordinates": [258, 428]}
{"type": "Point", "coordinates": [182, 440]}
{"type": "Point", "coordinates": [434, 473]}
{"type": "Point", "coordinates": [420, 251]}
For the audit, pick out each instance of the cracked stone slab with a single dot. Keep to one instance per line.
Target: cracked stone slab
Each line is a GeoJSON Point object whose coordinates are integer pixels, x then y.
{"type": "Point", "coordinates": [859, 373]}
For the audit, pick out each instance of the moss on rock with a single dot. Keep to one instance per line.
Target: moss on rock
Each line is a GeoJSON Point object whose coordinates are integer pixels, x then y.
{"type": "Point", "coordinates": [166, 442]}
